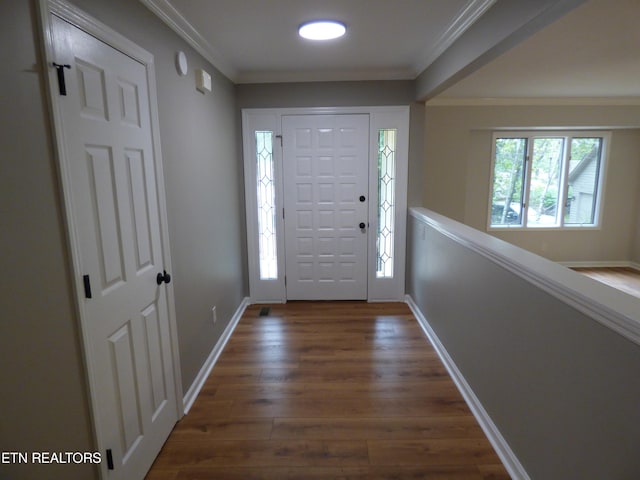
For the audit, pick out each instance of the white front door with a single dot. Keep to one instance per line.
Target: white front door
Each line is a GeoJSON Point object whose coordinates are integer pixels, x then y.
{"type": "Point", "coordinates": [325, 171]}
{"type": "Point", "coordinates": [105, 124]}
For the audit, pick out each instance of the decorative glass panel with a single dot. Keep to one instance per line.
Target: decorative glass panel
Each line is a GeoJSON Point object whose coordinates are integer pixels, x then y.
{"type": "Point", "coordinates": [267, 246]}
{"type": "Point", "coordinates": [386, 202]}
{"type": "Point", "coordinates": [584, 172]}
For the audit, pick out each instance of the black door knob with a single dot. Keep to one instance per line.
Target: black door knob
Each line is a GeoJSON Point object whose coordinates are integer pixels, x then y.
{"type": "Point", "coordinates": [163, 277]}
{"type": "Point", "coordinates": [362, 225]}
{"type": "Point", "coordinates": [362, 198]}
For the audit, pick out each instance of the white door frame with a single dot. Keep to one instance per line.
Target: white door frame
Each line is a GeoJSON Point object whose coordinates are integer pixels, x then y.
{"type": "Point", "coordinates": [76, 17]}
{"type": "Point", "coordinates": [270, 119]}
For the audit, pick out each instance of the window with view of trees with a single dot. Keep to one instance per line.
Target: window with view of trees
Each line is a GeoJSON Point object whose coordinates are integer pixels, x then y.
{"type": "Point", "coordinates": [546, 180]}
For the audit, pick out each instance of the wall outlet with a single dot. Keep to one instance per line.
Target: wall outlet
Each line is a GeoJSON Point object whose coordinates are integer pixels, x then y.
{"type": "Point", "coordinates": [214, 315]}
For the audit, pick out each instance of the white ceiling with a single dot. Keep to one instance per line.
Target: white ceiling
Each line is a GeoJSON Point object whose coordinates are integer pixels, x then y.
{"type": "Point", "coordinates": [254, 41]}
{"type": "Point", "coordinates": [593, 51]}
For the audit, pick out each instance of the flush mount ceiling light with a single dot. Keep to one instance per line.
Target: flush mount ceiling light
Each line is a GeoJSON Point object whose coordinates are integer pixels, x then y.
{"type": "Point", "coordinates": [322, 30]}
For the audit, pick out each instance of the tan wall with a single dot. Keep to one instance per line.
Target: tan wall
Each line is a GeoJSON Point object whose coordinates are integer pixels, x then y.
{"type": "Point", "coordinates": [458, 168]}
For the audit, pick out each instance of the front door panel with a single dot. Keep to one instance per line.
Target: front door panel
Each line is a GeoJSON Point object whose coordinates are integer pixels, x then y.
{"type": "Point", "coordinates": [325, 169]}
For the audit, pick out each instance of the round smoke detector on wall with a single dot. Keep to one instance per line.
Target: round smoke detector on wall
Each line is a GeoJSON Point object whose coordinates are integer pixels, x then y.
{"type": "Point", "coordinates": [181, 63]}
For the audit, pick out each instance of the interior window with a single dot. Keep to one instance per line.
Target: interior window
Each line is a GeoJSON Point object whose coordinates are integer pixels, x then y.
{"type": "Point", "coordinates": [549, 180]}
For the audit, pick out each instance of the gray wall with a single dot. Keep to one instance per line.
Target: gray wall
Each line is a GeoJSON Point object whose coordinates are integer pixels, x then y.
{"type": "Point", "coordinates": [44, 400]}
{"type": "Point", "coordinates": [348, 94]}
{"type": "Point", "coordinates": [458, 172]}
{"type": "Point", "coordinates": [561, 388]}
{"type": "Point", "coordinates": [325, 94]}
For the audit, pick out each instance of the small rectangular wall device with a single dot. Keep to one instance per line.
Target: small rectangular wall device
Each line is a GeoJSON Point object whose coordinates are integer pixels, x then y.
{"type": "Point", "coordinates": [203, 81]}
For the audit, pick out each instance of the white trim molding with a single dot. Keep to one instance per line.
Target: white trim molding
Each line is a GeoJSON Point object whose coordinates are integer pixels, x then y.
{"type": "Point", "coordinates": [203, 374]}
{"type": "Point", "coordinates": [610, 307]}
{"type": "Point", "coordinates": [174, 20]}
{"type": "Point", "coordinates": [467, 16]}
{"type": "Point", "coordinates": [502, 448]}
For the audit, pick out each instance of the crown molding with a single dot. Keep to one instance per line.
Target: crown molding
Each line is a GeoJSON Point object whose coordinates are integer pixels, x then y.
{"type": "Point", "coordinates": [174, 20]}
{"type": "Point", "coordinates": [466, 17]}
{"type": "Point", "coordinates": [532, 101]}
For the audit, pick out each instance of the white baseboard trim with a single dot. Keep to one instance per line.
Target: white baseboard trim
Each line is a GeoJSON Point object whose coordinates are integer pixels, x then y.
{"type": "Point", "coordinates": [605, 264]}
{"type": "Point", "coordinates": [508, 458]}
{"type": "Point", "coordinates": [204, 372]}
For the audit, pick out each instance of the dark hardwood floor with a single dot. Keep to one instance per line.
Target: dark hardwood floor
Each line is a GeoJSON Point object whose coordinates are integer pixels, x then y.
{"type": "Point", "coordinates": [328, 390]}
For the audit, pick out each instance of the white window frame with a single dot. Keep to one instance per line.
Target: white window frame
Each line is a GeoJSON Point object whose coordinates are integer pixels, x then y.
{"type": "Point", "coordinates": [388, 288]}
{"type": "Point", "coordinates": [392, 117]}
{"type": "Point", "coordinates": [568, 135]}
{"type": "Point", "coordinates": [262, 290]}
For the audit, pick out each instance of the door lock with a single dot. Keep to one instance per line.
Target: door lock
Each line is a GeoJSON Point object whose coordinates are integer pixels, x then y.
{"type": "Point", "coordinates": [362, 225]}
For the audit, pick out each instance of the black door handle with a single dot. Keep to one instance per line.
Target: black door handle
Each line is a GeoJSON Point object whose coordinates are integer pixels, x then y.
{"type": "Point", "coordinates": [362, 225]}
{"type": "Point", "coordinates": [163, 277]}
{"type": "Point", "coordinates": [362, 198]}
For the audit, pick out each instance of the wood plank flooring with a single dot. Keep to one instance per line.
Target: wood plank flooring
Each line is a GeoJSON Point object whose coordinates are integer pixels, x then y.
{"type": "Point", "coordinates": [328, 390]}
{"type": "Point", "coordinates": [626, 279]}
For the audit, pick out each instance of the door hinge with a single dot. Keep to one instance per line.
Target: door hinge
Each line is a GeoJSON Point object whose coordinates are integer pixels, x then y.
{"type": "Point", "coordinates": [109, 459]}
{"type": "Point", "coordinates": [87, 286]}
{"type": "Point", "coordinates": [280, 137]}
{"type": "Point", "coordinates": [62, 86]}
{"type": "Point", "coordinates": [283, 213]}
{"type": "Point", "coordinates": [285, 280]}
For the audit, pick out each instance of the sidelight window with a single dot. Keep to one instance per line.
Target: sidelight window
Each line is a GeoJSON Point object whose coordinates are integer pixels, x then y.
{"type": "Point", "coordinates": [267, 245]}
{"type": "Point", "coordinates": [386, 202]}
